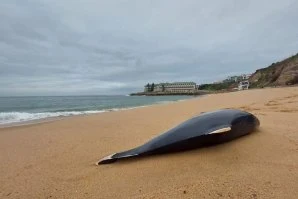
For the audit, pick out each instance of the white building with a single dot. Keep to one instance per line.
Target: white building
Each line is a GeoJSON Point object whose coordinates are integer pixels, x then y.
{"type": "Point", "coordinates": [244, 85]}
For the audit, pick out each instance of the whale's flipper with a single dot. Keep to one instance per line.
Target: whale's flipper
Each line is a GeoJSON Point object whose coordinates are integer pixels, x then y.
{"type": "Point", "coordinates": [221, 130]}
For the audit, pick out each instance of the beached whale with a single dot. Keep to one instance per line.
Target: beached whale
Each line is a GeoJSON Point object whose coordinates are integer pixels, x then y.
{"type": "Point", "coordinates": [206, 129]}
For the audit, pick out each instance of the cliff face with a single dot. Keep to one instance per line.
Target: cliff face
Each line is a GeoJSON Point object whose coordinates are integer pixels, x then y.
{"type": "Point", "coordinates": [278, 74]}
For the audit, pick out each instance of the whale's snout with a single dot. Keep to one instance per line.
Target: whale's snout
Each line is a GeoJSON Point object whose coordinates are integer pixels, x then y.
{"type": "Point", "coordinates": [256, 121]}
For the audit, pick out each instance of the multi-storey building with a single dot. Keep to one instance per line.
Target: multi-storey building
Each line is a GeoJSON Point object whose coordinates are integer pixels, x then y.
{"type": "Point", "coordinates": [176, 87]}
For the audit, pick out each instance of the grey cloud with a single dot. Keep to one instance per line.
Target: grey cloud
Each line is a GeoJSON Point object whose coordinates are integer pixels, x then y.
{"type": "Point", "coordinates": [69, 47]}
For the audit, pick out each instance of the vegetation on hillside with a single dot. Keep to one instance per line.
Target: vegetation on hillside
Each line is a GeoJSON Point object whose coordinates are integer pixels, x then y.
{"type": "Point", "coordinates": [217, 86]}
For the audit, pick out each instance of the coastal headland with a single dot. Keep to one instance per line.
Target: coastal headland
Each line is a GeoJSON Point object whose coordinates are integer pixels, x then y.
{"type": "Point", "coordinates": [198, 92]}
{"type": "Point", "coordinates": [57, 159]}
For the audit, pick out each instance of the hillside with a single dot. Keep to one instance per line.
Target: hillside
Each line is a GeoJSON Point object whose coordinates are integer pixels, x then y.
{"type": "Point", "coordinates": [277, 74]}
{"type": "Point", "coordinates": [218, 86]}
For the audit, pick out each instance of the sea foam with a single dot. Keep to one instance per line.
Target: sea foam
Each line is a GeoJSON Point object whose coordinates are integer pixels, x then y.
{"type": "Point", "coordinates": [12, 117]}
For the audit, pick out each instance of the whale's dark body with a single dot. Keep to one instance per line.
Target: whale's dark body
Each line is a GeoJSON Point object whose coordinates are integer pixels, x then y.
{"type": "Point", "coordinates": [203, 130]}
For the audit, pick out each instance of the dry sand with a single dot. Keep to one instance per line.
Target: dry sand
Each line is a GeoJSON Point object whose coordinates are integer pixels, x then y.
{"type": "Point", "coordinates": [56, 159]}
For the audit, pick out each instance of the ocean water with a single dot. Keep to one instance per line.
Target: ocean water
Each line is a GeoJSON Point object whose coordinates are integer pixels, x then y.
{"type": "Point", "coordinates": [23, 109]}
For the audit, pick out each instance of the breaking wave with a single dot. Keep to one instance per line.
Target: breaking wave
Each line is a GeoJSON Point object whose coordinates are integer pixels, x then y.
{"type": "Point", "coordinates": [13, 117]}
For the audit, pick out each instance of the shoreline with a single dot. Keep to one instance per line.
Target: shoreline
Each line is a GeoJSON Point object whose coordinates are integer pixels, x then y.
{"type": "Point", "coordinates": [55, 118]}
{"type": "Point", "coordinates": [30, 122]}
{"type": "Point", "coordinates": [56, 159]}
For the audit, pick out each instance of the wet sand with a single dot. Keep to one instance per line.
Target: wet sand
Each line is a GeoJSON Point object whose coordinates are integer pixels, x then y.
{"type": "Point", "coordinates": [57, 159]}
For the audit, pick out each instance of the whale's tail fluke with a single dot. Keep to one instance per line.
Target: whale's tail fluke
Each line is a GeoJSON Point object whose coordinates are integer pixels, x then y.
{"type": "Point", "coordinates": [114, 157]}
{"type": "Point", "coordinates": [107, 160]}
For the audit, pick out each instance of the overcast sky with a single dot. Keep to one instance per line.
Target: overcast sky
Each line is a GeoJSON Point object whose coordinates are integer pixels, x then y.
{"type": "Point", "coordinates": [79, 47]}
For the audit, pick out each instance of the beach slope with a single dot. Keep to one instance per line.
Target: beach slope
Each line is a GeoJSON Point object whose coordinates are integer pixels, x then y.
{"type": "Point", "coordinates": [57, 159]}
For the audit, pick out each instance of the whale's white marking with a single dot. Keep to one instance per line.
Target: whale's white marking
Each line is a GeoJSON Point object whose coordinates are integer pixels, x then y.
{"type": "Point", "coordinates": [222, 130]}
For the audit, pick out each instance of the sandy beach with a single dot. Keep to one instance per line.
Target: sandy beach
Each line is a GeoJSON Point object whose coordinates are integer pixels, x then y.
{"type": "Point", "coordinates": [57, 159]}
